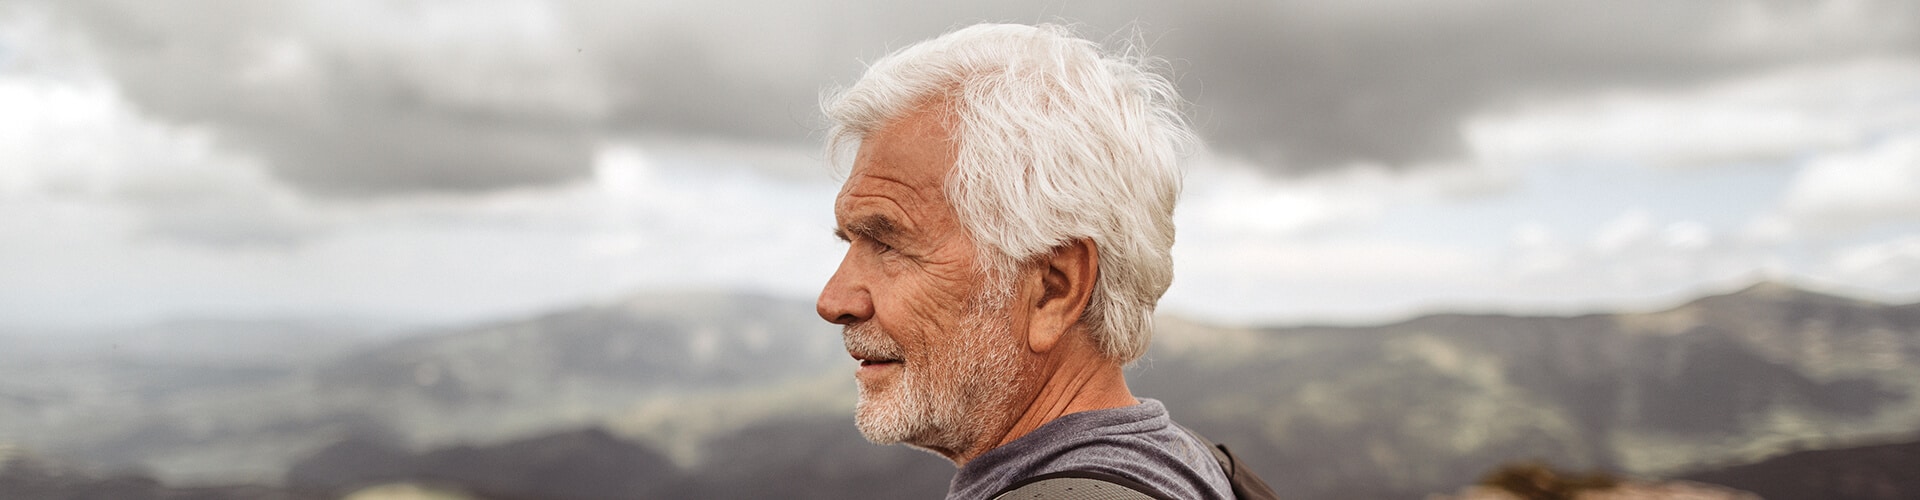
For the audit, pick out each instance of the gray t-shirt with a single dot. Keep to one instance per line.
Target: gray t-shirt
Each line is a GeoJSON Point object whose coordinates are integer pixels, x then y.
{"type": "Point", "coordinates": [1136, 442]}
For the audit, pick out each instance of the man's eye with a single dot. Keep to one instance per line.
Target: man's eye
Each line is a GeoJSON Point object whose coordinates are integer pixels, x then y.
{"type": "Point", "coordinates": [881, 247]}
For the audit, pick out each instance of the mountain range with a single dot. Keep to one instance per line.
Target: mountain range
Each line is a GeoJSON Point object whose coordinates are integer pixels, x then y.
{"type": "Point", "coordinates": [720, 395]}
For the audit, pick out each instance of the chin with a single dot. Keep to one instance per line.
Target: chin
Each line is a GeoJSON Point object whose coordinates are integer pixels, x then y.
{"type": "Point", "coordinates": [880, 416]}
{"type": "Point", "coordinates": [891, 417]}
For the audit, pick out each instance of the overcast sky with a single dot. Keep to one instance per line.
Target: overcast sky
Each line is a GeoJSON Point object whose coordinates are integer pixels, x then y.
{"type": "Point", "coordinates": [443, 161]}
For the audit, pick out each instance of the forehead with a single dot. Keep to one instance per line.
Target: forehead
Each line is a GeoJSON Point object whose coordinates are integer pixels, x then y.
{"type": "Point", "coordinates": [904, 163]}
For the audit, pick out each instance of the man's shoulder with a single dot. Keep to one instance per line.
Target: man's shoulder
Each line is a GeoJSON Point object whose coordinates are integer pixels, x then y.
{"type": "Point", "coordinates": [1147, 449]}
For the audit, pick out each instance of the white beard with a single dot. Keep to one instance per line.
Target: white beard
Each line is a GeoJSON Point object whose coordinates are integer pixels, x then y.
{"type": "Point", "coordinates": [947, 401]}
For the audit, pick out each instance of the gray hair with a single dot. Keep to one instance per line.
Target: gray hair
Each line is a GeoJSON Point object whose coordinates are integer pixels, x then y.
{"type": "Point", "coordinates": [1056, 142]}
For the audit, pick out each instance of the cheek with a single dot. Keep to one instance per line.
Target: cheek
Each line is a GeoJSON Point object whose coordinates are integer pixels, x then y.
{"type": "Point", "coordinates": [922, 318]}
{"type": "Point", "coordinates": [921, 298]}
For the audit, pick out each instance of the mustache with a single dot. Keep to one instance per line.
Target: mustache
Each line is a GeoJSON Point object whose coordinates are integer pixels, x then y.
{"type": "Point", "coordinates": [867, 340]}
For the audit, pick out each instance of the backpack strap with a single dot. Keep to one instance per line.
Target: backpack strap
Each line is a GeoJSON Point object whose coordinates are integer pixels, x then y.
{"type": "Point", "coordinates": [1079, 485]}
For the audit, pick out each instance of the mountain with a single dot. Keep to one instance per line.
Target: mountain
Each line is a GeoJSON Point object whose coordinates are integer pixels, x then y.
{"type": "Point", "coordinates": [780, 458]}
{"type": "Point", "coordinates": [650, 341]}
{"type": "Point", "coordinates": [26, 476]}
{"type": "Point", "coordinates": [577, 465]}
{"type": "Point", "coordinates": [216, 399]}
{"type": "Point", "coordinates": [581, 366]}
{"type": "Point", "coordinates": [815, 458]}
{"type": "Point", "coordinates": [1879, 472]}
{"type": "Point", "coordinates": [235, 409]}
{"type": "Point", "coordinates": [719, 395]}
{"type": "Point", "coordinates": [1532, 480]}
{"type": "Point", "coordinates": [1424, 405]}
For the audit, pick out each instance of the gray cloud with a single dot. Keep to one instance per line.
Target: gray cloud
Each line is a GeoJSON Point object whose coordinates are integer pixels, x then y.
{"type": "Point", "coordinates": [1303, 87]}
{"type": "Point", "coordinates": [333, 115]}
{"type": "Point", "coordinates": [393, 98]}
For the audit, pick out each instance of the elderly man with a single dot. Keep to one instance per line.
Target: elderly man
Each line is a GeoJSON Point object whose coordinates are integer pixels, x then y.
{"type": "Point", "coordinates": [1009, 213]}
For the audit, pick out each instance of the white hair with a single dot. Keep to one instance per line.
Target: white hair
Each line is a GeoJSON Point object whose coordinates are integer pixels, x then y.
{"type": "Point", "coordinates": [1057, 141]}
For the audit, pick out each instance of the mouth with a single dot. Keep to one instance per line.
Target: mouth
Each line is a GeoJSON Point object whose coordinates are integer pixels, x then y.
{"type": "Point", "coordinates": [876, 352]}
{"type": "Point", "coordinates": [866, 361]}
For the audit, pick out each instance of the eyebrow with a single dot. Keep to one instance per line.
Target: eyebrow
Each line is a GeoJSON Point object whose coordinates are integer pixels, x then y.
{"type": "Point", "coordinates": [873, 227]}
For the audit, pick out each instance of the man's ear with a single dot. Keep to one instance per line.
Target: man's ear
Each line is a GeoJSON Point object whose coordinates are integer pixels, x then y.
{"type": "Point", "coordinates": [1067, 277]}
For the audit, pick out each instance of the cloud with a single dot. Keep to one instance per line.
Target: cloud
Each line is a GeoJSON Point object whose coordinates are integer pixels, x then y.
{"type": "Point", "coordinates": [1635, 231]}
{"type": "Point", "coordinates": [641, 221]}
{"type": "Point", "coordinates": [1878, 183]}
{"type": "Point", "coordinates": [1893, 264]}
{"type": "Point", "coordinates": [1774, 117]}
{"type": "Point", "coordinates": [1305, 87]}
{"type": "Point", "coordinates": [351, 99]}
{"type": "Point", "coordinates": [431, 159]}
{"type": "Point", "coordinates": [1222, 196]}
{"type": "Point", "coordinates": [1687, 235]}
{"type": "Point", "coordinates": [1623, 231]}
{"type": "Point", "coordinates": [1259, 279]}
{"type": "Point", "coordinates": [76, 142]}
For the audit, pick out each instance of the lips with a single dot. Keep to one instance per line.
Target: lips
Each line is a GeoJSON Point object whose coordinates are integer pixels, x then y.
{"type": "Point", "coordinates": [874, 368]}
{"type": "Point", "coordinates": [875, 360]}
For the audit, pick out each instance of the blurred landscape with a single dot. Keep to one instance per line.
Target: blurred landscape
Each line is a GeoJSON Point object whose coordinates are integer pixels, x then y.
{"type": "Point", "coordinates": [720, 395]}
{"type": "Point", "coordinates": [302, 249]}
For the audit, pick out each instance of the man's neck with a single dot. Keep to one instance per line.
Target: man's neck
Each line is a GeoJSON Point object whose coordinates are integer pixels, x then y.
{"type": "Point", "coordinates": [1072, 387]}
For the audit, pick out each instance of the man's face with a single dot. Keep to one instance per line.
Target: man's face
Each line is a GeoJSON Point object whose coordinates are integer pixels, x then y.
{"type": "Point", "coordinates": [939, 358]}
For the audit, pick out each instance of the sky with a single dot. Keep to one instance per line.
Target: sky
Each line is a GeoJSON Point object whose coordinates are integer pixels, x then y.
{"type": "Point", "coordinates": [439, 162]}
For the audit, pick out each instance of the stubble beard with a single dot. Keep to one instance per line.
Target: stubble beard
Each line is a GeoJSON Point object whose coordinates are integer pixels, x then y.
{"type": "Point", "coordinates": [948, 401]}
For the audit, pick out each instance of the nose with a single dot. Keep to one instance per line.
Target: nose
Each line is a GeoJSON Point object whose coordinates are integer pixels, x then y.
{"type": "Point", "coordinates": [845, 300]}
